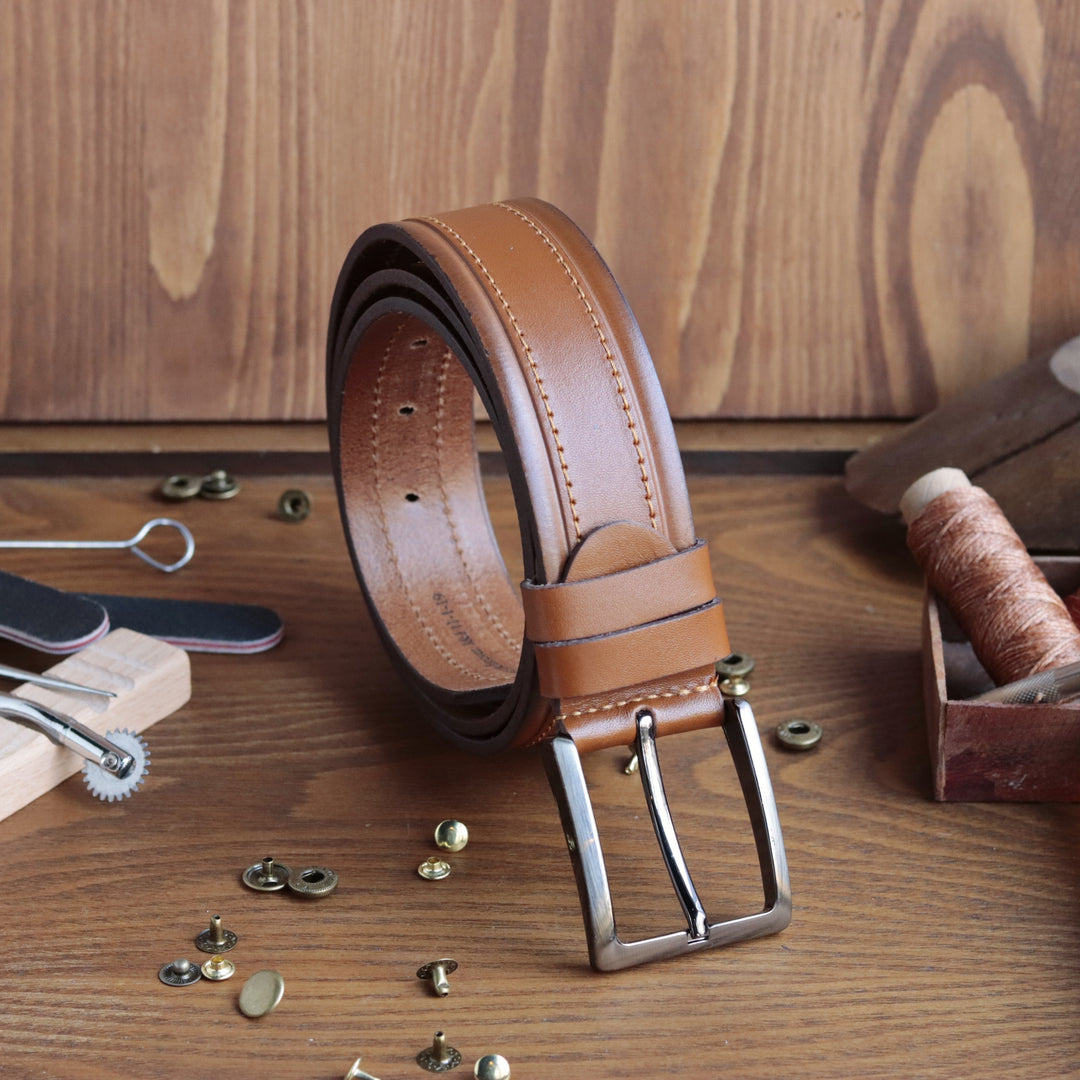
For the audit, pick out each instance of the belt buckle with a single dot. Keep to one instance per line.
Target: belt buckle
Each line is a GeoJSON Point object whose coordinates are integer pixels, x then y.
{"type": "Point", "coordinates": [607, 952]}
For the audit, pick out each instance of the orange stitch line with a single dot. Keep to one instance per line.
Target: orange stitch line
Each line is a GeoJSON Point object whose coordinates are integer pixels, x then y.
{"type": "Point", "coordinates": [703, 688]}
{"type": "Point", "coordinates": [532, 365]}
{"type": "Point", "coordinates": [439, 647]}
{"type": "Point", "coordinates": [496, 622]}
{"type": "Point", "coordinates": [615, 373]}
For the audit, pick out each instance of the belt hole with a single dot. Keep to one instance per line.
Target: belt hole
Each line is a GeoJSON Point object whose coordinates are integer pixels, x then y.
{"type": "Point", "coordinates": [412, 497]}
{"type": "Point", "coordinates": [407, 410]}
{"type": "Point", "coordinates": [419, 343]}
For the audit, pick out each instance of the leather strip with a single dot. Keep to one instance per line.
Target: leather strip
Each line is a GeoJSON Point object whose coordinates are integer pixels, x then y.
{"type": "Point", "coordinates": [512, 300]}
{"type": "Point", "coordinates": [618, 601]}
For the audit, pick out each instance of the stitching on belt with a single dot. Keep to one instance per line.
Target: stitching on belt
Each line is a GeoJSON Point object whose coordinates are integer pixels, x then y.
{"type": "Point", "coordinates": [375, 461]}
{"type": "Point", "coordinates": [533, 367]}
{"type": "Point", "coordinates": [478, 590]}
{"type": "Point", "coordinates": [610, 356]}
{"type": "Point", "coordinates": [702, 688]}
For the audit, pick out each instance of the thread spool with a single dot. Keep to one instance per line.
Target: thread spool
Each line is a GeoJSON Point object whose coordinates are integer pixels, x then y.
{"type": "Point", "coordinates": [976, 563]}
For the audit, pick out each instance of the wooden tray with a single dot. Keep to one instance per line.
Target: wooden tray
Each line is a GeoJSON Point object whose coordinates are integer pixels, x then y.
{"type": "Point", "coordinates": [986, 752]}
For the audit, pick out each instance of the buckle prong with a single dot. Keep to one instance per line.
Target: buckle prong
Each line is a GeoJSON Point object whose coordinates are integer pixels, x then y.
{"type": "Point", "coordinates": [606, 951]}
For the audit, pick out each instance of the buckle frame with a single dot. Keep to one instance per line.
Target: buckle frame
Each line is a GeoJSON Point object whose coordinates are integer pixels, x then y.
{"type": "Point", "coordinates": [607, 952]}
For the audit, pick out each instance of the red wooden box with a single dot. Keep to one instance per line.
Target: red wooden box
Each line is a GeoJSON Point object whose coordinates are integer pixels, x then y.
{"type": "Point", "coordinates": [984, 752]}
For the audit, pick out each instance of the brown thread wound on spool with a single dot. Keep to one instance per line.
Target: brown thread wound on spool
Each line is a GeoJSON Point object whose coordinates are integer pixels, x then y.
{"type": "Point", "coordinates": [976, 563]}
{"type": "Point", "coordinates": [1072, 605]}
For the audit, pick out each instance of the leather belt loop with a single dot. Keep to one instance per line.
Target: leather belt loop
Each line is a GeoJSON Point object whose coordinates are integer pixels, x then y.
{"type": "Point", "coordinates": [620, 614]}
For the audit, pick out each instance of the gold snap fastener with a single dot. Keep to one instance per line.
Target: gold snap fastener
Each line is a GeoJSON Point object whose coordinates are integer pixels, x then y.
{"type": "Point", "coordinates": [735, 666]}
{"type": "Point", "coordinates": [799, 734]}
{"type": "Point", "coordinates": [218, 968]}
{"type": "Point", "coordinates": [451, 835]}
{"type": "Point", "coordinates": [492, 1067]}
{"type": "Point", "coordinates": [262, 993]}
{"type": "Point", "coordinates": [434, 869]}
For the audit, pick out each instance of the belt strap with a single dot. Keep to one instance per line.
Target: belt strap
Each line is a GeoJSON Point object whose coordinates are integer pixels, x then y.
{"type": "Point", "coordinates": [618, 617]}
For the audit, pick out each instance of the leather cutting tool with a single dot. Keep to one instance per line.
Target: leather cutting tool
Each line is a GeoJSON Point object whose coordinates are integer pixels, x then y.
{"type": "Point", "coordinates": [612, 638]}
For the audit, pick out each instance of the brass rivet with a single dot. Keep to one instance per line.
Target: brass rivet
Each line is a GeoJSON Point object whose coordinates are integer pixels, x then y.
{"type": "Point", "coordinates": [218, 968]}
{"type": "Point", "coordinates": [217, 939]}
{"type": "Point", "coordinates": [492, 1067]}
{"type": "Point", "coordinates": [178, 488]}
{"type": "Point", "coordinates": [438, 1057]}
{"type": "Point", "coordinates": [437, 971]}
{"type": "Point", "coordinates": [262, 993]}
{"type": "Point", "coordinates": [799, 734]}
{"type": "Point", "coordinates": [434, 869]}
{"type": "Point", "coordinates": [631, 765]}
{"type": "Point", "coordinates": [313, 881]}
{"type": "Point", "coordinates": [267, 876]}
{"type": "Point", "coordinates": [219, 485]}
{"type": "Point", "coordinates": [451, 835]}
{"type": "Point", "coordinates": [734, 688]}
{"type": "Point", "coordinates": [294, 505]}
{"type": "Point", "coordinates": [735, 666]}
{"type": "Point", "coordinates": [180, 973]}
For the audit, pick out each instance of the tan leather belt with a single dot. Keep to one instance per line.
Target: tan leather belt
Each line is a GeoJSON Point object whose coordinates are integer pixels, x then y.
{"type": "Point", "coordinates": [613, 636]}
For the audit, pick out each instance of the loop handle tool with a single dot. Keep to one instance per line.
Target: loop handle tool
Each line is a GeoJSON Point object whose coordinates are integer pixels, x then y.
{"type": "Point", "coordinates": [132, 544]}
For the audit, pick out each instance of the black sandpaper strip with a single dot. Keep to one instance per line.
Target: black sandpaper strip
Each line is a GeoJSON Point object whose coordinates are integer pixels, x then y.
{"type": "Point", "coordinates": [196, 625]}
{"type": "Point", "coordinates": [48, 619]}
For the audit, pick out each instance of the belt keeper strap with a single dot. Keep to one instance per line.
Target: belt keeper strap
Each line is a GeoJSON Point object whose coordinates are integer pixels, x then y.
{"type": "Point", "coordinates": [643, 594]}
{"type": "Point", "coordinates": [595, 665]}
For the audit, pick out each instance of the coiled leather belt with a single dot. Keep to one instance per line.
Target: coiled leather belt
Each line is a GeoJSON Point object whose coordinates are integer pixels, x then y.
{"type": "Point", "coordinates": [613, 636]}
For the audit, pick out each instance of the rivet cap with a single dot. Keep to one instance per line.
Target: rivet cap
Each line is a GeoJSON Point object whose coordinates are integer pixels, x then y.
{"type": "Point", "coordinates": [492, 1067]}
{"type": "Point", "coordinates": [451, 835]}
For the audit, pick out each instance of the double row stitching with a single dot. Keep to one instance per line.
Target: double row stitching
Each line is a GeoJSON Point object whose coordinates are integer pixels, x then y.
{"type": "Point", "coordinates": [496, 622]}
{"type": "Point", "coordinates": [376, 463]}
{"type": "Point", "coordinates": [616, 374]}
{"type": "Point", "coordinates": [533, 367]}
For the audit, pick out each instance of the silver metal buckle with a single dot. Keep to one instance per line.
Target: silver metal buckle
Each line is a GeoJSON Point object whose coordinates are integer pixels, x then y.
{"type": "Point", "coordinates": [606, 951]}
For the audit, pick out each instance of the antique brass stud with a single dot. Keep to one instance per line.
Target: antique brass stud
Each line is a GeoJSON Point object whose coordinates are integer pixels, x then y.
{"type": "Point", "coordinates": [218, 968]}
{"type": "Point", "coordinates": [434, 869]}
{"type": "Point", "coordinates": [451, 835]}
{"type": "Point", "coordinates": [437, 971]}
{"type": "Point", "coordinates": [262, 993]}
{"type": "Point", "coordinates": [492, 1067]}
{"type": "Point", "coordinates": [180, 973]}
{"type": "Point", "coordinates": [438, 1057]}
{"type": "Point", "coordinates": [216, 939]}
{"type": "Point", "coordinates": [267, 876]}
{"type": "Point", "coordinates": [313, 881]}
{"type": "Point", "coordinates": [631, 765]}
{"type": "Point", "coordinates": [294, 505]}
{"type": "Point", "coordinates": [219, 485]}
{"type": "Point", "coordinates": [178, 488]}
{"type": "Point", "coordinates": [799, 734]}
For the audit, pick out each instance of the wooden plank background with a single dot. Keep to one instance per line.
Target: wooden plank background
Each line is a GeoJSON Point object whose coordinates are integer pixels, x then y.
{"type": "Point", "coordinates": [819, 209]}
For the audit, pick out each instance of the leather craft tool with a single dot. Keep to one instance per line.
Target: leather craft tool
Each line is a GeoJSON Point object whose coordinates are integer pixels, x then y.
{"type": "Point", "coordinates": [131, 544]}
{"type": "Point", "coordinates": [613, 636]}
{"type": "Point", "coordinates": [60, 622]}
{"type": "Point", "coordinates": [150, 680]}
{"type": "Point", "coordinates": [47, 619]}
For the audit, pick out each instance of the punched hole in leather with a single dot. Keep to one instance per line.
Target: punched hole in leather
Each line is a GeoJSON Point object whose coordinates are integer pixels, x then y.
{"type": "Point", "coordinates": [612, 638]}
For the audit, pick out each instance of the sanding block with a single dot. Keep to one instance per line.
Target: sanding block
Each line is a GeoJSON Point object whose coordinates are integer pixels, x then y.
{"type": "Point", "coordinates": [150, 679]}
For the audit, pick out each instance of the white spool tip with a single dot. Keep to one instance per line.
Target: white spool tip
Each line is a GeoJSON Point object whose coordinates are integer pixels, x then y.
{"type": "Point", "coordinates": [927, 488]}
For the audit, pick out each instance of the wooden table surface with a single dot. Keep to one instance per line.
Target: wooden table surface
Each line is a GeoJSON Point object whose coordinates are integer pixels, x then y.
{"type": "Point", "coordinates": [927, 940]}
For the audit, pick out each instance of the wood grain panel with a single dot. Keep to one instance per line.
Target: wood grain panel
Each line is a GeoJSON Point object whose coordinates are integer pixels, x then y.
{"type": "Point", "coordinates": [833, 209]}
